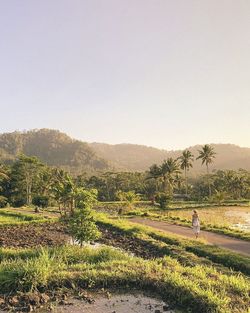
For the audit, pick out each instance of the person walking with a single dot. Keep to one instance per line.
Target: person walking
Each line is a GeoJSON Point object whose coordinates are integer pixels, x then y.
{"type": "Point", "coordinates": [196, 223]}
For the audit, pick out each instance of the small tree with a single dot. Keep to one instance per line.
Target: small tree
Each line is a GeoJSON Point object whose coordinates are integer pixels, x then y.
{"type": "Point", "coordinates": [219, 196]}
{"type": "Point", "coordinates": [41, 201]}
{"type": "Point", "coordinates": [81, 223]}
{"type": "Point", "coordinates": [128, 197]}
{"type": "Point", "coordinates": [163, 199]}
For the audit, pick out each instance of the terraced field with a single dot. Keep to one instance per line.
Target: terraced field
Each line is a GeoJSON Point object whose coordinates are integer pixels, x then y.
{"type": "Point", "coordinates": [188, 275]}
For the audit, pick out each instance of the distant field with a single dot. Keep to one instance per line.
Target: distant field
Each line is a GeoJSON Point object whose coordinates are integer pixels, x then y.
{"type": "Point", "coordinates": [231, 220]}
{"type": "Point", "coordinates": [233, 217]}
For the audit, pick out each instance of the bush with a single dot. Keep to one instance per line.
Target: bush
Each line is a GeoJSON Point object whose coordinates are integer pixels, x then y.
{"type": "Point", "coordinates": [19, 202]}
{"type": "Point", "coordinates": [81, 222]}
{"type": "Point", "coordinates": [163, 199]}
{"type": "Point", "coordinates": [82, 226]}
{"type": "Point", "coordinates": [41, 201]}
{"type": "Point", "coordinates": [3, 202]}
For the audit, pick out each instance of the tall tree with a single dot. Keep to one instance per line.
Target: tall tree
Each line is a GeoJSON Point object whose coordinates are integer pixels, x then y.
{"type": "Point", "coordinates": [166, 172]}
{"type": "Point", "coordinates": [207, 154]}
{"type": "Point", "coordinates": [25, 172]}
{"type": "Point", "coordinates": [186, 160]}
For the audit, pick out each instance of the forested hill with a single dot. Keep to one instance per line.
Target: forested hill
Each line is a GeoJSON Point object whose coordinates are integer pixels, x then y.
{"type": "Point", "coordinates": [57, 149]}
{"type": "Point", "coordinates": [53, 148]}
{"type": "Point", "coordinates": [138, 157]}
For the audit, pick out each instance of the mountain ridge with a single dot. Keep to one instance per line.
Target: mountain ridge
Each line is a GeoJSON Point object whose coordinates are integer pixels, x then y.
{"type": "Point", "coordinates": [228, 156]}
{"type": "Point", "coordinates": [58, 149]}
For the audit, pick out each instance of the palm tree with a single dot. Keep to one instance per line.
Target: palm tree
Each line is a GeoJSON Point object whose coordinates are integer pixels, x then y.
{"type": "Point", "coordinates": [166, 173]}
{"type": "Point", "coordinates": [155, 174]}
{"type": "Point", "coordinates": [186, 160]}
{"type": "Point", "coordinates": [207, 154]}
{"type": "Point", "coordinates": [169, 169]}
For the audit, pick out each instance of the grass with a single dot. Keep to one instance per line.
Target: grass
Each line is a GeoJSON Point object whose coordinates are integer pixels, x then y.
{"type": "Point", "coordinates": [10, 217]}
{"type": "Point", "coordinates": [186, 273]}
{"type": "Point", "coordinates": [197, 288]}
{"type": "Point", "coordinates": [177, 247]}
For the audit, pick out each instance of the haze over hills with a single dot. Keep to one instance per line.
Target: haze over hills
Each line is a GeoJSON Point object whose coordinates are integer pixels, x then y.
{"type": "Point", "coordinates": [138, 157]}
{"type": "Point", "coordinates": [58, 149]}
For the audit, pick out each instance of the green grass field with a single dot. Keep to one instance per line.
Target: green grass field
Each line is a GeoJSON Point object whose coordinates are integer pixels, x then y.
{"type": "Point", "coordinates": [192, 276]}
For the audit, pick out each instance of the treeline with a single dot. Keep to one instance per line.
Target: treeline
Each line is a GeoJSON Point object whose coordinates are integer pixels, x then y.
{"type": "Point", "coordinates": [28, 181]}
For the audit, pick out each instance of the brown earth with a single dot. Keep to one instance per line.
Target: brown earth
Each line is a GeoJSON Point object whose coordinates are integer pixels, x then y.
{"type": "Point", "coordinates": [33, 235]}
{"type": "Point", "coordinates": [233, 244]}
{"type": "Point", "coordinates": [54, 234]}
{"type": "Point", "coordinates": [128, 243]}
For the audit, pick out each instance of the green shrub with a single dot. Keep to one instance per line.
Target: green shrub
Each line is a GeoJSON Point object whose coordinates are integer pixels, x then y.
{"type": "Point", "coordinates": [163, 199]}
{"type": "Point", "coordinates": [3, 202]}
{"type": "Point", "coordinates": [41, 201]}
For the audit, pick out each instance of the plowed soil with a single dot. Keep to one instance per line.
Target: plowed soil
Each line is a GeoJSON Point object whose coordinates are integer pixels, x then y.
{"type": "Point", "coordinates": [33, 235]}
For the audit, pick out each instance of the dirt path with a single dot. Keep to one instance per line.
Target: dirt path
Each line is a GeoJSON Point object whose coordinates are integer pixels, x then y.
{"type": "Point", "coordinates": [233, 244]}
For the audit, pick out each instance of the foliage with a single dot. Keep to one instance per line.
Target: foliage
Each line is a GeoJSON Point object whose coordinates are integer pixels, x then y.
{"type": "Point", "coordinates": [28, 177]}
{"type": "Point", "coordinates": [81, 223]}
{"type": "Point", "coordinates": [207, 154]}
{"type": "Point", "coordinates": [166, 173]}
{"type": "Point", "coordinates": [41, 201]}
{"type": "Point", "coordinates": [186, 162]}
{"type": "Point", "coordinates": [163, 199]}
{"type": "Point", "coordinates": [128, 197]}
{"type": "Point", "coordinates": [53, 148]}
{"type": "Point", "coordinates": [3, 201]}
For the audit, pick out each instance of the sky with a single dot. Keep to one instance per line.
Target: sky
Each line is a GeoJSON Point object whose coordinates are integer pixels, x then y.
{"type": "Point", "coordinates": [163, 73]}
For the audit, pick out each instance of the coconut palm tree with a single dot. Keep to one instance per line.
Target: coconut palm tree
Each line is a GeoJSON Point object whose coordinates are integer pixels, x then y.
{"type": "Point", "coordinates": [186, 160]}
{"type": "Point", "coordinates": [207, 154]}
{"type": "Point", "coordinates": [165, 173]}
{"type": "Point", "coordinates": [169, 169]}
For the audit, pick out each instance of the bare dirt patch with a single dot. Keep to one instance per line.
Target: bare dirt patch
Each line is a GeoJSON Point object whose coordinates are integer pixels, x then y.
{"type": "Point", "coordinates": [33, 235]}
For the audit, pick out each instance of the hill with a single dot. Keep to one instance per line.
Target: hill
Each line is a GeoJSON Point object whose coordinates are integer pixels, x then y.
{"type": "Point", "coordinates": [58, 149]}
{"type": "Point", "coordinates": [53, 148]}
{"type": "Point", "coordinates": [140, 158]}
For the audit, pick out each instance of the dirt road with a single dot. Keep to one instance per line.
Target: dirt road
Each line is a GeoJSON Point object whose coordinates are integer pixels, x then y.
{"type": "Point", "coordinates": [233, 244]}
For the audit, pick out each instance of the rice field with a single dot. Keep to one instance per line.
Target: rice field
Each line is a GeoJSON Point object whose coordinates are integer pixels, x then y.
{"type": "Point", "coordinates": [236, 217]}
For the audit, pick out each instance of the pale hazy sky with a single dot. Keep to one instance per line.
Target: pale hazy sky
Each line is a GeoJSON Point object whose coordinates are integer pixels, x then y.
{"type": "Point", "coordinates": [165, 73]}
